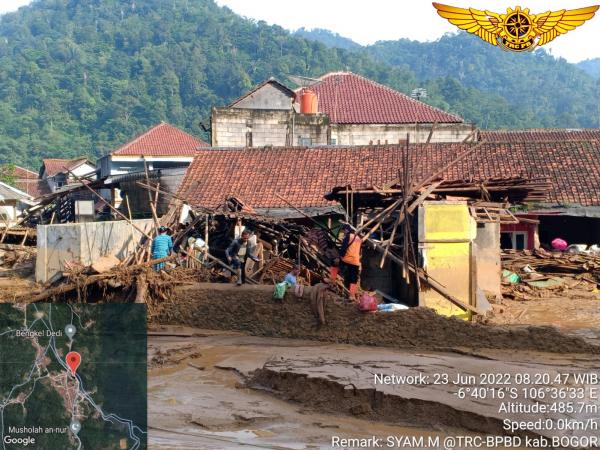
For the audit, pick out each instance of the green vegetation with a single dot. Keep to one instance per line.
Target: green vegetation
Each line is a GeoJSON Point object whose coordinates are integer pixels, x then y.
{"type": "Point", "coordinates": [328, 38]}
{"type": "Point", "coordinates": [81, 77]}
{"type": "Point", "coordinates": [7, 174]}
{"type": "Point", "coordinates": [591, 66]}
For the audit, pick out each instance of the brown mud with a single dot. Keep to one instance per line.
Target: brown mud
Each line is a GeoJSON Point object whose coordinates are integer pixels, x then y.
{"type": "Point", "coordinates": [234, 391]}
{"type": "Point", "coordinates": [251, 309]}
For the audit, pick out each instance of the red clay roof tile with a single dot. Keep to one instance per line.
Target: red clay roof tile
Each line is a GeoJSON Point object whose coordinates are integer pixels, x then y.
{"type": "Point", "coordinates": [304, 175]}
{"type": "Point", "coordinates": [352, 99]}
{"type": "Point", "coordinates": [161, 140]}
{"type": "Point", "coordinates": [54, 166]}
{"type": "Point", "coordinates": [540, 135]}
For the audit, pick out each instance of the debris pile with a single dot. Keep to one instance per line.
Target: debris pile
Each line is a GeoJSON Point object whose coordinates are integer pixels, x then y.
{"type": "Point", "coordinates": [532, 274]}
{"type": "Point", "coordinates": [14, 258]}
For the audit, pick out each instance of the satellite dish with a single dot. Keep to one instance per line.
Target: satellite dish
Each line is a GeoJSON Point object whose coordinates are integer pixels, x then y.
{"type": "Point", "coordinates": [304, 81]}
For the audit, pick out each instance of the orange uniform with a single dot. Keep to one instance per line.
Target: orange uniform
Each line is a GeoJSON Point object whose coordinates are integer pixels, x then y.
{"type": "Point", "coordinates": [352, 255]}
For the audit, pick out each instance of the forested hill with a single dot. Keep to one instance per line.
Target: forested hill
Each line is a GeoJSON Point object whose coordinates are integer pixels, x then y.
{"type": "Point", "coordinates": [543, 91]}
{"type": "Point", "coordinates": [84, 76]}
{"type": "Point", "coordinates": [591, 66]}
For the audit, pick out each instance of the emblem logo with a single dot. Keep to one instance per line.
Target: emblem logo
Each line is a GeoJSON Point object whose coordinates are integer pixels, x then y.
{"type": "Point", "coordinates": [517, 30]}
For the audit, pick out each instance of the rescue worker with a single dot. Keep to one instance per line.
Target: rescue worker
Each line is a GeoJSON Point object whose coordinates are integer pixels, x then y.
{"type": "Point", "coordinates": [162, 245]}
{"type": "Point", "coordinates": [350, 253]}
{"type": "Point", "coordinates": [331, 255]}
{"type": "Point", "coordinates": [238, 253]}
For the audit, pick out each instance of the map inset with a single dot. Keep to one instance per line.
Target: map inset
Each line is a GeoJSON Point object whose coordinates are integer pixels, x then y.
{"type": "Point", "coordinates": [73, 376]}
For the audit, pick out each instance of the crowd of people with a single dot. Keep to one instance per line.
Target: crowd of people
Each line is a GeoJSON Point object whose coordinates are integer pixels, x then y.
{"type": "Point", "coordinates": [342, 256]}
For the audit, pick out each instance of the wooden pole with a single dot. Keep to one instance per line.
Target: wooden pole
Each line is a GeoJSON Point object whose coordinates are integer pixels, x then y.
{"type": "Point", "coordinates": [151, 200]}
{"type": "Point", "coordinates": [115, 210]}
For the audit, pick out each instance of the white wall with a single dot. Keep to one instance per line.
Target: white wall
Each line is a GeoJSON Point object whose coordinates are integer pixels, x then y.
{"type": "Point", "coordinates": [84, 243]}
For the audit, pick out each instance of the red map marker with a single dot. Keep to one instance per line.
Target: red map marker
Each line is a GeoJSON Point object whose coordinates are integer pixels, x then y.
{"type": "Point", "coordinates": [73, 360]}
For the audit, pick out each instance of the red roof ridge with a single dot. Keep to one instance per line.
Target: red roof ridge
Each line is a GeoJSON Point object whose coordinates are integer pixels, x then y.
{"type": "Point", "coordinates": [393, 91]}
{"type": "Point", "coordinates": [136, 139]}
{"type": "Point", "coordinates": [191, 142]}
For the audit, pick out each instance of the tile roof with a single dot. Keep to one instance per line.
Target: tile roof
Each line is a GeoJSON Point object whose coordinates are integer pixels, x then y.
{"type": "Point", "coordinates": [304, 175]}
{"type": "Point", "coordinates": [22, 172]}
{"type": "Point", "coordinates": [161, 140]}
{"type": "Point", "coordinates": [540, 135]}
{"type": "Point", "coordinates": [28, 181]}
{"type": "Point", "coordinates": [34, 187]}
{"type": "Point", "coordinates": [348, 98]}
{"type": "Point", "coordinates": [8, 192]}
{"type": "Point", "coordinates": [55, 166]}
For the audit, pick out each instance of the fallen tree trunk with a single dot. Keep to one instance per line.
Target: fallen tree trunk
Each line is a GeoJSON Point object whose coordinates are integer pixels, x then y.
{"type": "Point", "coordinates": [69, 287]}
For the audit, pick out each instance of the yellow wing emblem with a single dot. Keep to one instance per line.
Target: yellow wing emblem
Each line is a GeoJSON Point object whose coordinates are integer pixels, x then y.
{"type": "Point", "coordinates": [484, 24]}
{"type": "Point", "coordinates": [550, 25]}
{"type": "Point", "coordinates": [517, 30]}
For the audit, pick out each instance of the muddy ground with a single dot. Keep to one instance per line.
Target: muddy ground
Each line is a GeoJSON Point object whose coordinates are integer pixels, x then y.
{"type": "Point", "coordinates": [215, 389]}
{"type": "Point", "coordinates": [251, 309]}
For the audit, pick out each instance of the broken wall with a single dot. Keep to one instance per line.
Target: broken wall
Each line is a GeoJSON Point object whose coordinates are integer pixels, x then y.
{"type": "Point", "coordinates": [486, 253]}
{"type": "Point", "coordinates": [83, 243]}
{"type": "Point", "coordinates": [446, 233]}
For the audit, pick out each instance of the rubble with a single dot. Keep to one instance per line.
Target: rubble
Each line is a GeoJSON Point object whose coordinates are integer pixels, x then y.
{"type": "Point", "coordinates": [545, 274]}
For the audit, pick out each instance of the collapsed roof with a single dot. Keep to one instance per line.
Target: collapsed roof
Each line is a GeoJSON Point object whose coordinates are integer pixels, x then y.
{"type": "Point", "coordinates": [302, 176]}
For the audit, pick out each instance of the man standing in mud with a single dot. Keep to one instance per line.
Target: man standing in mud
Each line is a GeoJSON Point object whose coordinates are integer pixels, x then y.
{"type": "Point", "coordinates": [238, 253]}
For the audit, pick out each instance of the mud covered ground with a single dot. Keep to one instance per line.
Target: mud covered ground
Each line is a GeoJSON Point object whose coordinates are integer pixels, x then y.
{"type": "Point", "coordinates": [251, 309]}
{"type": "Point", "coordinates": [198, 397]}
{"type": "Point", "coordinates": [216, 390]}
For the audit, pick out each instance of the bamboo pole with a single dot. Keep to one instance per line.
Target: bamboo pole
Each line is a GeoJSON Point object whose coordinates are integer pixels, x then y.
{"type": "Point", "coordinates": [150, 200]}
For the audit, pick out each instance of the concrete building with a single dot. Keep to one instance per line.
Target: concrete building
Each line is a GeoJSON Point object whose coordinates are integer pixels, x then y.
{"type": "Point", "coordinates": [341, 109]}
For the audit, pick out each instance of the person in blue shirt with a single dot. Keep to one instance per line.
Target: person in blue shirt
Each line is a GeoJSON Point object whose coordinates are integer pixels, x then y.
{"type": "Point", "coordinates": [162, 245]}
{"type": "Point", "coordinates": [292, 277]}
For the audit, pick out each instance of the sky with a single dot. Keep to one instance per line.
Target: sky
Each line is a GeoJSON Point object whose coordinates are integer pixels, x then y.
{"type": "Point", "coordinates": [368, 21]}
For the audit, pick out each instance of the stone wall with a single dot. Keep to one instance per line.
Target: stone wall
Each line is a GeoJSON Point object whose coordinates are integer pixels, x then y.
{"type": "Point", "coordinates": [365, 134]}
{"type": "Point", "coordinates": [233, 127]}
{"type": "Point", "coordinates": [268, 96]}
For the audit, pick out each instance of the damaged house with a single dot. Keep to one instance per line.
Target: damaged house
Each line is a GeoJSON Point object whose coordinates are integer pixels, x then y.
{"type": "Point", "coordinates": [292, 182]}
{"type": "Point", "coordinates": [163, 150]}
{"type": "Point", "coordinates": [340, 108]}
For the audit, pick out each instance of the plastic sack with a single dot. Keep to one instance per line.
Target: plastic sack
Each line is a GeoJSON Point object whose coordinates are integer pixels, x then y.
{"type": "Point", "coordinates": [559, 244]}
{"type": "Point", "coordinates": [279, 290]}
{"type": "Point", "coordinates": [367, 303]}
{"type": "Point", "coordinates": [511, 277]}
{"type": "Point", "coordinates": [391, 307]}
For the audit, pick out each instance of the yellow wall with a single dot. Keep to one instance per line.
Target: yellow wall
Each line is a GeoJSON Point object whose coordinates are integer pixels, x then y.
{"type": "Point", "coordinates": [446, 231]}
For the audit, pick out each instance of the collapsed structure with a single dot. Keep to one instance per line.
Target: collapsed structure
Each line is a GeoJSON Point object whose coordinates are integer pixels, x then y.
{"type": "Point", "coordinates": [433, 198]}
